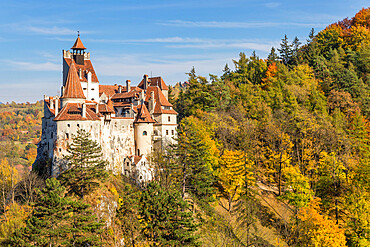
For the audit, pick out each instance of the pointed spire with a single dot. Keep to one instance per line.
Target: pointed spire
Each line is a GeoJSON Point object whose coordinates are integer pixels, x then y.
{"type": "Point", "coordinates": [143, 116]}
{"type": "Point", "coordinates": [73, 87]}
{"type": "Point", "coordinates": [78, 44]}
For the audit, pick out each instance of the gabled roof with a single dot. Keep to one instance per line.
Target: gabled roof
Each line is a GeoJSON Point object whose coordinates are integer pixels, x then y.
{"type": "Point", "coordinates": [73, 111]}
{"type": "Point", "coordinates": [85, 68]}
{"type": "Point", "coordinates": [109, 90]}
{"type": "Point", "coordinates": [73, 87]}
{"type": "Point", "coordinates": [78, 44]}
{"type": "Point", "coordinates": [160, 100]}
{"type": "Point", "coordinates": [106, 108]}
{"type": "Point", "coordinates": [143, 116]}
{"type": "Point", "coordinates": [154, 81]}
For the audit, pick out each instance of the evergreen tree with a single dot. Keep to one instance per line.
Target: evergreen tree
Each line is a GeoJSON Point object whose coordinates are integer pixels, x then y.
{"type": "Point", "coordinates": [285, 50]}
{"type": "Point", "coordinates": [85, 168]}
{"type": "Point", "coordinates": [166, 218]}
{"type": "Point", "coordinates": [195, 155]}
{"type": "Point", "coordinates": [272, 57]}
{"type": "Point", "coordinates": [47, 225]}
{"type": "Point", "coordinates": [84, 226]}
{"type": "Point", "coordinates": [296, 56]}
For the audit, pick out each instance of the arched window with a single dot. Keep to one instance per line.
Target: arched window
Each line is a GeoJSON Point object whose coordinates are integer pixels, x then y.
{"type": "Point", "coordinates": [145, 133]}
{"type": "Point", "coordinates": [169, 119]}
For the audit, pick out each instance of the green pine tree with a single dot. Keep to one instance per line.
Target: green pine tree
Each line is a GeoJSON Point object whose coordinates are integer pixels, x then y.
{"type": "Point", "coordinates": [84, 226]}
{"type": "Point", "coordinates": [47, 225]}
{"type": "Point", "coordinates": [285, 50]}
{"type": "Point", "coordinates": [165, 218]}
{"type": "Point", "coordinates": [85, 169]}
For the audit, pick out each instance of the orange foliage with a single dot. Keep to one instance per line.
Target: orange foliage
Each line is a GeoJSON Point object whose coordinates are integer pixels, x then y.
{"type": "Point", "coordinates": [316, 229]}
{"type": "Point", "coordinates": [270, 74]}
{"type": "Point", "coordinates": [362, 18]}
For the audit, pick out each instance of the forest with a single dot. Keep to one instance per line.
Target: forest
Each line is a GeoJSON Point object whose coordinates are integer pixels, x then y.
{"type": "Point", "coordinates": [274, 152]}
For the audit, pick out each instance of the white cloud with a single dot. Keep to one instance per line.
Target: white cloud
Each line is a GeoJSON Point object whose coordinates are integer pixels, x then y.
{"type": "Point", "coordinates": [172, 69]}
{"type": "Point", "coordinates": [51, 30]}
{"type": "Point", "coordinates": [220, 24]}
{"type": "Point", "coordinates": [48, 66]}
{"type": "Point", "coordinates": [240, 45]}
{"type": "Point", "coordinates": [272, 5]}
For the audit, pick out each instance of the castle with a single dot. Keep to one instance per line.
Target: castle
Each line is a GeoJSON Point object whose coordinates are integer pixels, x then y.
{"type": "Point", "coordinates": [129, 122]}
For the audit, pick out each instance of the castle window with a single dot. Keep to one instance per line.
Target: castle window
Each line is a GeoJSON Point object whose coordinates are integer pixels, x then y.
{"type": "Point", "coordinates": [93, 89]}
{"type": "Point", "coordinates": [169, 119]}
{"type": "Point", "coordinates": [166, 132]}
{"type": "Point", "coordinates": [67, 135]}
{"type": "Point", "coordinates": [84, 88]}
{"type": "Point", "coordinates": [60, 150]}
{"type": "Point", "coordinates": [138, 152]}
{"type": "Point", "coordinates": [145, 133]}
{"type": "Point", "coordinates": [51, 134]}
{"type": "Point", "coordinates": [92, 99]}
{"type": "Point", "coordinates": [78, 125]}
{"type": "Point", "coordinates": [68, 125]}
{"type": "Point", "coordinates": [173, 132]}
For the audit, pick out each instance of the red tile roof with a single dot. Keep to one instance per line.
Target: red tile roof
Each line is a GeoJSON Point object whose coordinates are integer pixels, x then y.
{"type": "Point", "coordinates": [109, 90]}
{"type": "Point", "coordinates": [73, 87]}
{"type": "Point", "coordinates": [125, 95]}
{"type": "Point", "coordinates": [73, 111]}
{"type": "Point", "coordinates": [154, 81]}
{"type": "Point", "coordinates": [122, 104]}
{"type": "Point", "coordinates": [78, 45]}
{"type": "Point", "coordinates": [106, 108]}
{"type": "Point", "coordinates": [143, 116]}
{"type": "Point", "coordinates": [160, 100]}
{"type": "Point", "coordinates": [85, 68]}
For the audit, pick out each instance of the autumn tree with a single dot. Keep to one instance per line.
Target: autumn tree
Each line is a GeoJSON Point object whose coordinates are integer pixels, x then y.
{"type": "Point", "coordinates": [315, 229]}
{"type": "Point", "coordinates": [234, 174]}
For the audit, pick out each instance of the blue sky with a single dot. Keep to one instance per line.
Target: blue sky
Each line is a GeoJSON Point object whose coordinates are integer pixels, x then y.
{"type": "Point", "coordinates": [130, 38]}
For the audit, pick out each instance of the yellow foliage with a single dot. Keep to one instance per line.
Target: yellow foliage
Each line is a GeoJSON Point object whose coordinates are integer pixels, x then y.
{"type": "Point", "coordinates": [233, 173]}
{"type": "Point", "coordinates": [316, 229]}
{"type": "Point", "coordinates": [13, 218]}
{"type": "Point", "coordinates": [8, 175]}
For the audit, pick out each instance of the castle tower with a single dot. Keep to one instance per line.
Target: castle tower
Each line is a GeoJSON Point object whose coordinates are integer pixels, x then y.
{"type": "Point", "coordinates": [85, 70]}
{"type": "Point", "coordinates": [72, 91]}
{"type": "Point", "coordinates": [143, 126]}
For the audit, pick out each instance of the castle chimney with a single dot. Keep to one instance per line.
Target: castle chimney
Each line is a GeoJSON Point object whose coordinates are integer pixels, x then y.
{"type": "Point", "coordinates": [83, 110]}
{"type": "Point", "coordinates": [51, 103]}
{"type": "Point", "coordinates": [56, 106]}
{"type": "Point", "coordinates": [97, 108]}
{"type": "Point", "coordinates": [89, 75]}
{"type": "Point", "coordinates": [119, 89]}
{"type": "Point", "coordinates": [128, 85]}
{"type": "Point", "coordinates": [151, 102]}
{"type": "Point", "coordinates": [145, 82]}
{"type": "Point", "coordinates": [80, 73]}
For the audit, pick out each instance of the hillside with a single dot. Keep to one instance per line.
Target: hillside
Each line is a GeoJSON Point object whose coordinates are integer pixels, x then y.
{"type": "Point", "coordinates": [273, 153]}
